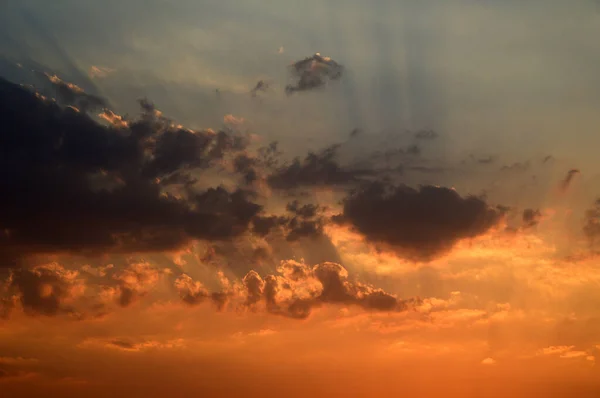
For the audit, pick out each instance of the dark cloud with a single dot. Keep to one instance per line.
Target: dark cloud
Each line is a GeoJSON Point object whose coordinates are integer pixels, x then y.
{"type": "Point", "coordinates": [316, 169]}
{"type": "Point", "coordinates": [255, 286]}
{"type": "Point", "coordinates": [44, 289]}
{"type": "Point", "coordinates": [125, 344]}
{"type": "Point", "coordinates": [568, 180]}
{"type": "Point", "coordinates": [302, 221]}
{"type": "Point", "coordinates": [591, 228]}
{"type": "Point", "coordinates": [261, 86]}
{"type": "Point", "coordinates": [247, 167]}
{"type": "Point", "coordinates": [313, 72]}
{"type": "Point", "coordinates": [77, 185]}
{"type": "Point", "coordinates": [418, 223]}
{"type": "Point", "coordinates": [531, 218]}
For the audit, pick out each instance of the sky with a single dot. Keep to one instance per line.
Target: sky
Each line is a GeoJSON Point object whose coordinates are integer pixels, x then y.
{"type": "Point", "coordinates": [194, 203]}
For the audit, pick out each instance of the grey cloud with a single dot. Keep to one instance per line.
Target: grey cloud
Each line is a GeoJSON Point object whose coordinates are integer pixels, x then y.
{"type": "Point", "coordinates": [417, 223]}
{"type": "Point", "coordinates": [313, 72]}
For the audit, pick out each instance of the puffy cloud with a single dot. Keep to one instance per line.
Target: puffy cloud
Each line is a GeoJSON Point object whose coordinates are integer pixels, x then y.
{"type": "Point", "coordinates": [294, 291]}
{"type": "Point", "coordinates": [298, 288]}
{"type": "Point", "coordinates": [80, 186]}
{"type": "Point", "coordinates": [135, 281]}
{"type": "Point", "coordinates": [193, 292]}
{"type": "Point", "coordinates": [417, 223]}
{"type": "Point", "coordinates": [47, 289]}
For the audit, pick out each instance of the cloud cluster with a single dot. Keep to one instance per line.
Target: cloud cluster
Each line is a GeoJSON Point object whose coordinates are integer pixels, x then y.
{"type": "Point", "coordinates": [135, 281]}
{"type": "Point", "coordinates": [78, 185]}
{"type": "Point", "coordinates": [302, 221]}
{"type": "Point", "coordinates": [417, 223]}
{"type": "Point", "coordinates": [296, 289]}
{"type": "Point", "coordinates": [46, 289]}
{"type": "Point", "coordinates": [316, 169]}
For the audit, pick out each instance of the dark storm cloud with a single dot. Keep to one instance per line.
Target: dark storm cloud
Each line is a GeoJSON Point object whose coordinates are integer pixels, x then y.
{"type": "Point", "coordinates": [418, 223]}
{"type": "Point", "coordinates": [313, 72]}
{"type": "Point", "coordinates": [316, 169]}
{"type": "Point", "coordinates": [77, 185]}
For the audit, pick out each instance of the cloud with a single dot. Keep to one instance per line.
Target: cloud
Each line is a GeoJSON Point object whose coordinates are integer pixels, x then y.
{"type": "Point", "coordinates": [531, 218]}
{"type": "Point", "coordinates": [46, 289]}
{"type": "Point", "coordinates": [129, 345]}
{"type": "Point", "coordinates": [316, 169]}
{"type": "Point", "coordinates": [417, 223]}
{"type": "Point", "coordinates": [136, 281]}
{"type": "Point", "coordinates": [71, 94]}
{"type": "Point", "coordinates": [298, 288]}
{"type": "Point", "coordinates": [294, 291]}
{"type": "Point", "coordinates": [99, 71]}
{"type": "Point", "coordinates": [565, 352]}
{"type": "Point", "coordinates": [591, 228]}
{"type": "Point", "coordinates": [488, 361]}
{"type": "Point", "coordinates": [426, 135]}
{"type": "Point", "coordinates": [568, 180]}
{"type": "Point", "coordinates": [84, 187]}
{"type": "Point", "coordinates": [313, 72]}
{"type": "Point", "coordinates": [193, 292]}
{"type": "Point", "coordinates": [302, 221]}
{"type": "Point", "coordinates": [261, 86]}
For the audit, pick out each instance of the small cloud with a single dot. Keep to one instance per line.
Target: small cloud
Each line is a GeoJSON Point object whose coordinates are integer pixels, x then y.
{"type": "Point", "coordinates": [568, 180]}
{"type": "Point", "coordinates": [313, 72]}
{"type": "Point", "coordinates": [99, 71]}
{"type": "Point", "coordinates": [233, 121]}
{"type": "Point", "coordinates": [488, 361]}
{"type": "Point", "coordinates": [574, 354]}
{"type": "Point", "coordinates": [555, 350]}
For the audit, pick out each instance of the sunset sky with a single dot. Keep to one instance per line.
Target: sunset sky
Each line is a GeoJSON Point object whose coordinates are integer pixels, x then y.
{"type": "Point", "coordinates": [194, 204]}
